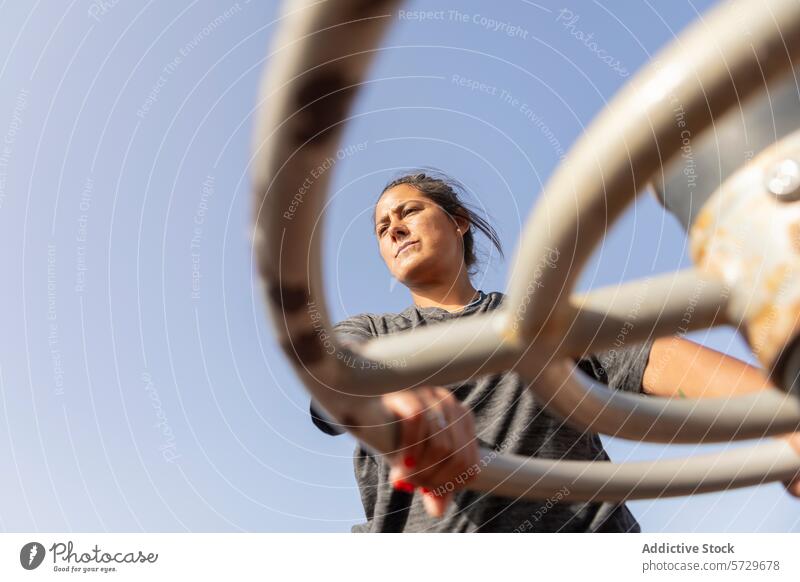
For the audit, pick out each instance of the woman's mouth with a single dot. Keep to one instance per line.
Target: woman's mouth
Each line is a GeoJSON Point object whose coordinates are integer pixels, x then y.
{"type": "Point", "coordinates": [404, 247]}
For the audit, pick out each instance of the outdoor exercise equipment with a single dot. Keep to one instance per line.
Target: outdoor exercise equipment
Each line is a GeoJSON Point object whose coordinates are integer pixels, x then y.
{"type": "Point", "coordinates": [744, 231]}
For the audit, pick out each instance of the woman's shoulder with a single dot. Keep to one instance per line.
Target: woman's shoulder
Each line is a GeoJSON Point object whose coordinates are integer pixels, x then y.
{"type": "Point", "coordinates": [491, 300]}
{"type": "Point", "coordinates": [368, 324]}
{"type": "Point", "coordinates": [361, 326]}
{"type": "Point", "coordinates": [495, 298]}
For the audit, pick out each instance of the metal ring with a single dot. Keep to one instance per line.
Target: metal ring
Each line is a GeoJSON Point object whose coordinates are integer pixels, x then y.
{"type": "Point", "coordinates": [306, 101]}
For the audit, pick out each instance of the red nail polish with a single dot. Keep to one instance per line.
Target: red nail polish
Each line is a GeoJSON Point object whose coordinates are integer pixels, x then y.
{"type": "Point", "coordinates": [409, 461]}
{"type": "Point", "coordinates": [404, 486]}
{"type": "Point", "coordinates": [424, 489]}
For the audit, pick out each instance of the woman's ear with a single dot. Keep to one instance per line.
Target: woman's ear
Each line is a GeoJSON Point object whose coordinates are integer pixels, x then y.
{"type": "Point", "coordinates": [462, 224]}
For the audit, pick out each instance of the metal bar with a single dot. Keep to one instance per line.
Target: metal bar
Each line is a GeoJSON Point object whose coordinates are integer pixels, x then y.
{"type": "Point", "coordinates": [727, 56]}
{"type": "Point", "coordinates": [522, 477]}
{"type": "Point", "coordinates": [320, 56]}
{"type": "Point", "coordinates": [587, 405]}
{"type": "Point", "coordinates": [323, 51]}
{"type": "Point", "coordinates": [633, 312]}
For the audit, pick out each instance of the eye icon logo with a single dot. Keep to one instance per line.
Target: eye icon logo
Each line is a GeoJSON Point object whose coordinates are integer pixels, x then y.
{"type": "Point", "coordinates": [31, 555]}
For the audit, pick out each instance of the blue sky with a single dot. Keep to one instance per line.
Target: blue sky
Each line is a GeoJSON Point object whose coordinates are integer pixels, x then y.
{"type": "Point", "coordinates": [141, 387]}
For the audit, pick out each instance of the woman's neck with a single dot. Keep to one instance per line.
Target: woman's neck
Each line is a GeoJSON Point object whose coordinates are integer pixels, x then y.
{"type": "Point", "coordinates": [446, 296]}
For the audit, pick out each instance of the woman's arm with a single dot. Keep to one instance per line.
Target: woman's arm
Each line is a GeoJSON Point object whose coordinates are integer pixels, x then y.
{"type": "Point", "coordinates": [679, 368]}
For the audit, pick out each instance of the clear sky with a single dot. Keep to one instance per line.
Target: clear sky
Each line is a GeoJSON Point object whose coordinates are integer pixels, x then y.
{"type": "Point", "coordinates": [141, 387]}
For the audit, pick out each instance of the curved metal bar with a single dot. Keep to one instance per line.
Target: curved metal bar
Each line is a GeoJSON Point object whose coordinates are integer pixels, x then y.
{"type": "Point", "coordinates": [635, 311]}
{"type": "Point", "coordinates": [730, 54]}
{"type": "Point", "coordinates": [705, 72]}
{"type": "Point", "coordinates": [638, 310]}
{"type": "Point", "coordinates": [322, 53]}
{"type": "Point", "coordinates": [515, 476]}
{"type": "Point", "coordinates": [587, 405]}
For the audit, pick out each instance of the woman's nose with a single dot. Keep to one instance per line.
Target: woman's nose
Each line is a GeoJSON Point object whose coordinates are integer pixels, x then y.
{"type": "Point", "coordinates": [398, 230]}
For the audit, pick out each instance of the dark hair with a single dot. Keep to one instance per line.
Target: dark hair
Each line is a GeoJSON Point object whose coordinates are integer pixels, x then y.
{"type": "Point", "coordinates": [446, 193]}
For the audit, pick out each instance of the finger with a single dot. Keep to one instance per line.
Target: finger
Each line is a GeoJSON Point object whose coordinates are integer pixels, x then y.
{"type": "Point", "coordinates": [793, 487]}
{"type": "Point", "coordinates": [418, 449]}
{"type": "Point", "coordinates": [794, 440]}
{"type": "Point", "coordinates": [460, 426]}
{"type": "Point", "coordinates": [454, 465]}
{"type": "Point", "coordinates": [407, 407]}
{"type": "Point", "coordinates": [439, 441]}
{"type": "Point", "coordinates": [415, 449]}
{"type": "Point", "coordinates": [464, 431]}
{"type": "Point", "coordinates": [464, 464]}
{"type": "Point", "coordinates": [454, 472]}
{"type": "Point", "coordinates": [443, 461]}
{"type": "Point", "coordinates": [435, 504]}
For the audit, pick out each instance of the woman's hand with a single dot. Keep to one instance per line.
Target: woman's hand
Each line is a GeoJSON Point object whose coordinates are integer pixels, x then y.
{"type": "Point", "coordinates": [438, 451]}
{"type": "Point", "coordinates": [793, 486]}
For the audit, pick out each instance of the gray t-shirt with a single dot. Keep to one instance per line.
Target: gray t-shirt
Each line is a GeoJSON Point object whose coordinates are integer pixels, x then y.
{"type": "Point", "coordinates": [507, 419]}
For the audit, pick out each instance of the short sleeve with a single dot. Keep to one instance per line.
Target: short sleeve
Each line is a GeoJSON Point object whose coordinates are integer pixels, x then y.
{"type": "Point", "coordinates": [351, 330]}
{"type": "Point", "coordinates": [357, 328]}
{"type": "Point", "coordinates": [620, 368]}
{"type": "Point", "coordinates": [322, 422]}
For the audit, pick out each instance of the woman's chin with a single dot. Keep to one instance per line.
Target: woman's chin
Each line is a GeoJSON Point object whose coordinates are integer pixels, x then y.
{"type": "Point", "coordinates": [413, 270]}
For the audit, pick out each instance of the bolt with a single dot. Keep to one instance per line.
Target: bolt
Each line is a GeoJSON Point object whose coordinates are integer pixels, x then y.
{"type": "Point", "coordinates": [784, 181]}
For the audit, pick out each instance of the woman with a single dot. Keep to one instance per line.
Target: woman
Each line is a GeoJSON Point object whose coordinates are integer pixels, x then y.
{"type": "Point", "coordinates": [426, 236]}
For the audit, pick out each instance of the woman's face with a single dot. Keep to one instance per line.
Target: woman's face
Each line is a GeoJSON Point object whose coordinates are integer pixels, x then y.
{"type": "Point", "coordinates": [418, 240]}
